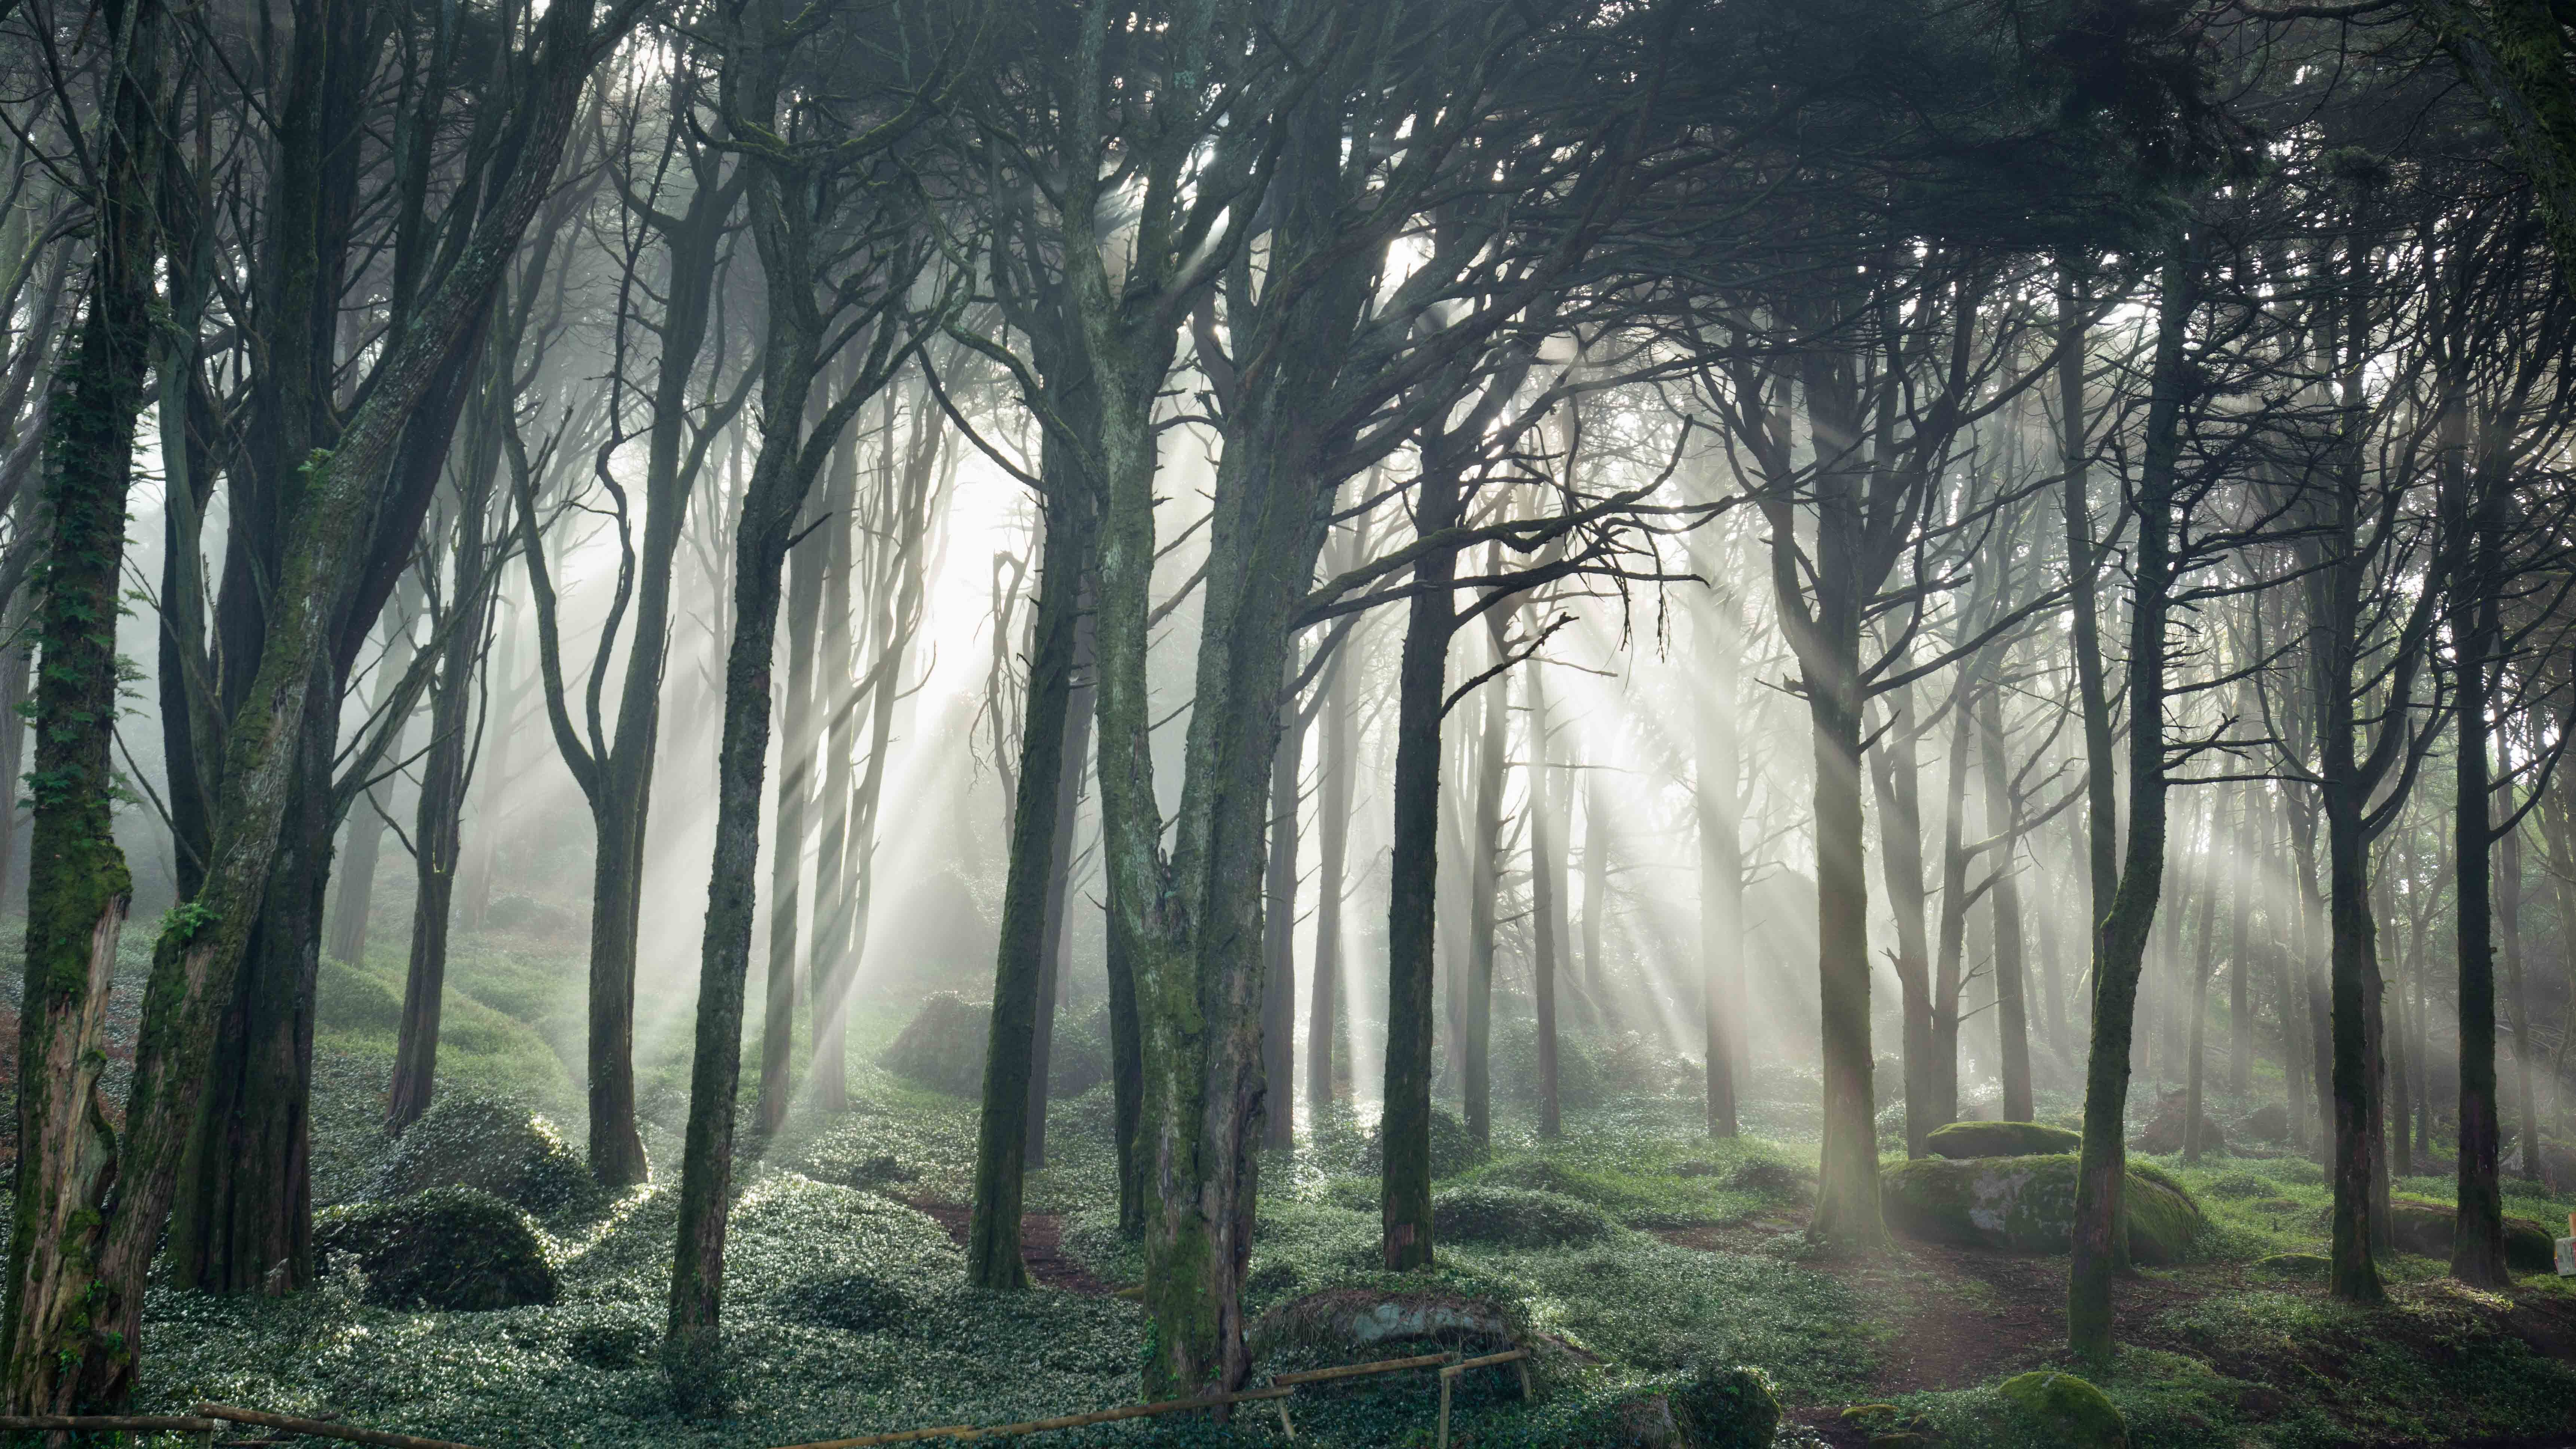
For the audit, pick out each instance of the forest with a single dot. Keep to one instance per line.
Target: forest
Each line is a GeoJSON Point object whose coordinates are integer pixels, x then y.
{"type": "Point", "coordinates": [1696, 723]}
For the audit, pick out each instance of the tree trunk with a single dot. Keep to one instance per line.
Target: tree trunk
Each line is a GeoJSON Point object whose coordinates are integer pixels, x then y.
{"type": "Point", "coordinates": [78, 887]}
{"type": "Point", "coordinates": [2240, 971]}
{"type": "Point", "coordinates": [455, 735]}
{"type": "Point", "coordinates": [2197, 961]}
{"type": "Point", "coordinates": [839, 694]}
{"type": "Point", "coordinates": [1547, 908]}
{"type": "Point", "coordinates": [2003, 820]}
{"type": "Point", "coordinates": [1412, 887]}
{"type": "Point", "coordinates": [1011, 1086]}
{"type": "Point", "coordinates": [357, 873]}
{"type": "Point", "coordinates": [1058, 947]}
{"type": "Point", "coordinates": [797, 740]}
{"type": "Point", "coordinates": [1338, 769]}
{"type": "Point", "coordinates": [1898, 781]}
{"type": "Point", "coordinates": [1279, 924]}
{"type": "Point", "coordinates": [1949, 980]}
{"type": "Point", "coordinates": [2526, 1057]}
{"type": "Point", "coordinates": [1600, 832]}
{"type": "Point", "coordinates": [1484, 891]}
{"type": "Point", "coordinates": [1721, 864]}
{"type": "Point", "coordinates": [2099, 1237]}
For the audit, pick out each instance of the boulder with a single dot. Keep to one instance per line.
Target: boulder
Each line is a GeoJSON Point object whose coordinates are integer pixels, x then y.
{"type": "Point", "coordinates": [2002, 1139]}
{"type": "Point", "coordinates": [491, 1146]}
{"type": "Point", "coordinates": [2062, 1411]}
{"type": "Point", "coordinates": [2269, 1123]}
{"type": "Point", "coordinates": [2304, 1267]}
{"type": "Point", "coordinates": [2027, 1204]}
{"type": "Point", "coordinates": [1514, 1217]}
{"type": "Point", "coordinates": [1730, 1408]}
{"type": "Point", "coordinates": [1350, 1325]}
{"type": "Point", "coordinates": [1726, 1408]}
{"type": "Point", "coordinates": [2163, 1132]}
{"type": "Point", "coordinates": [942, 1047]}
{"type": "Point", "coordinates": [2421, 1225]}
{"type": "Point", "coordinates": [450, 1247]}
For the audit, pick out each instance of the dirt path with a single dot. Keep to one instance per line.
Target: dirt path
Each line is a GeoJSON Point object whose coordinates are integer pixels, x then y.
{"type": "Point", "coordinates": [1041, 1247]}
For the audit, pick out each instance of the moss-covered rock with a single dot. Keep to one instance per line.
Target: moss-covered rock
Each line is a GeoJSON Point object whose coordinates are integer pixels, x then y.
{"type": "Point", "coordinates": [1453, 1148]}
{"type": "Point", "coordinates": [2063, 1412]}
{"type": "Point", "coordinates": [2027, 1204]}
{"type": "Point", "coordinates": [1514, 1217]}
{"type": "Point", "coordinates": [2421, 1225]}
{"type": "Point", "coordinates": [942, 1047]}
{"type": "Point", "coordinates": [346, 998]}
{"type": "Point", "coordinates": [489, 1145]}
{"type": "Point", "coordinates": [2163, 1133]}
{"type": "Point", "coordinates": [1350, 1325]}
{"type": "Point", "coordinates": [450, 1247]}
{"type": "Point", "coordinates": [1727, 1408]}
{"type": "Point", "coordinates": [2299, 1267]}
{"type": "Point", "coordinates": [2268, 1123]}
{"type": "Point", "coordinates": [2002, 1139]}
{"type": "Point", "coordinates": [1078, 1055]}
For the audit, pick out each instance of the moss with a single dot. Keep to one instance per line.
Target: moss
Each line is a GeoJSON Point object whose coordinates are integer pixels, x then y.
{"type": "Point", "coordinates": [2241, 1185]}
{"type": "Point", "coordinates": [2027, 1204]}
{"type": "Point", "coordinates": [2002, 1139]}
{"type": "Point", "coordinates": [943, 1048]}
{"type": "Point", "coordinates": [2304, 1267]}
{"type": "Point", "coordinates": [490, 1145]}
{"type": "Point", "coordinates": [2423, 1226]}
{"type": "Point", "coordinates": [1513, 1217]}
{"type": "Point", "coordinates": [348, 999]}
{"type": "Point", "coordinates": [1727, 1408]}
{"type": "Point", "coordinates": [452, 1248]}
{"type": "Point", "coordinates": [2063, 1411]}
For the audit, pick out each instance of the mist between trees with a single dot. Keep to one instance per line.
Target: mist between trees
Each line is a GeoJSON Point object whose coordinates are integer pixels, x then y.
{"type": "Point", "coordinates": [1387, 550]}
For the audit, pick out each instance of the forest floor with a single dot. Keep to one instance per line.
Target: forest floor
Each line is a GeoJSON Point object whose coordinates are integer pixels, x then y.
{"type": "Point", "coordinates": [1647, 1249]}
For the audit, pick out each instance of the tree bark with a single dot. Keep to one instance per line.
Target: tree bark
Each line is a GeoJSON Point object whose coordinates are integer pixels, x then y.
{"type": "Point", "coordinates": [1326, 1067]}
{"type": "Point", "coordinates": [2003, 898]}
{"type": "Point", "coordinates": [797, 741]}
{"type": "Point", "coordinates": [1547, 908]}
{"type": "Point", "coordinates": [1412, 886]}
{"type": "Point", "coordinates": [1010, 1084]}
{"type": "Point", "coordinates": [1279, 923]}
{"type": "Point", "coordinates": [1484, 890]}
{"type": "Point", "coordinates": [1721, 864]}
{"type": "Point", "coordinates": [2099, 1238]}
{"type": "Point", "coordinates": [78, 886]}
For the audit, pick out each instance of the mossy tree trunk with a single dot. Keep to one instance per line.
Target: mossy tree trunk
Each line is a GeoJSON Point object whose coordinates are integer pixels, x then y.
{"type": "Point", "coordinates": [78, 884]}
{"type": "Point", "coordinates": [198, 958]}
